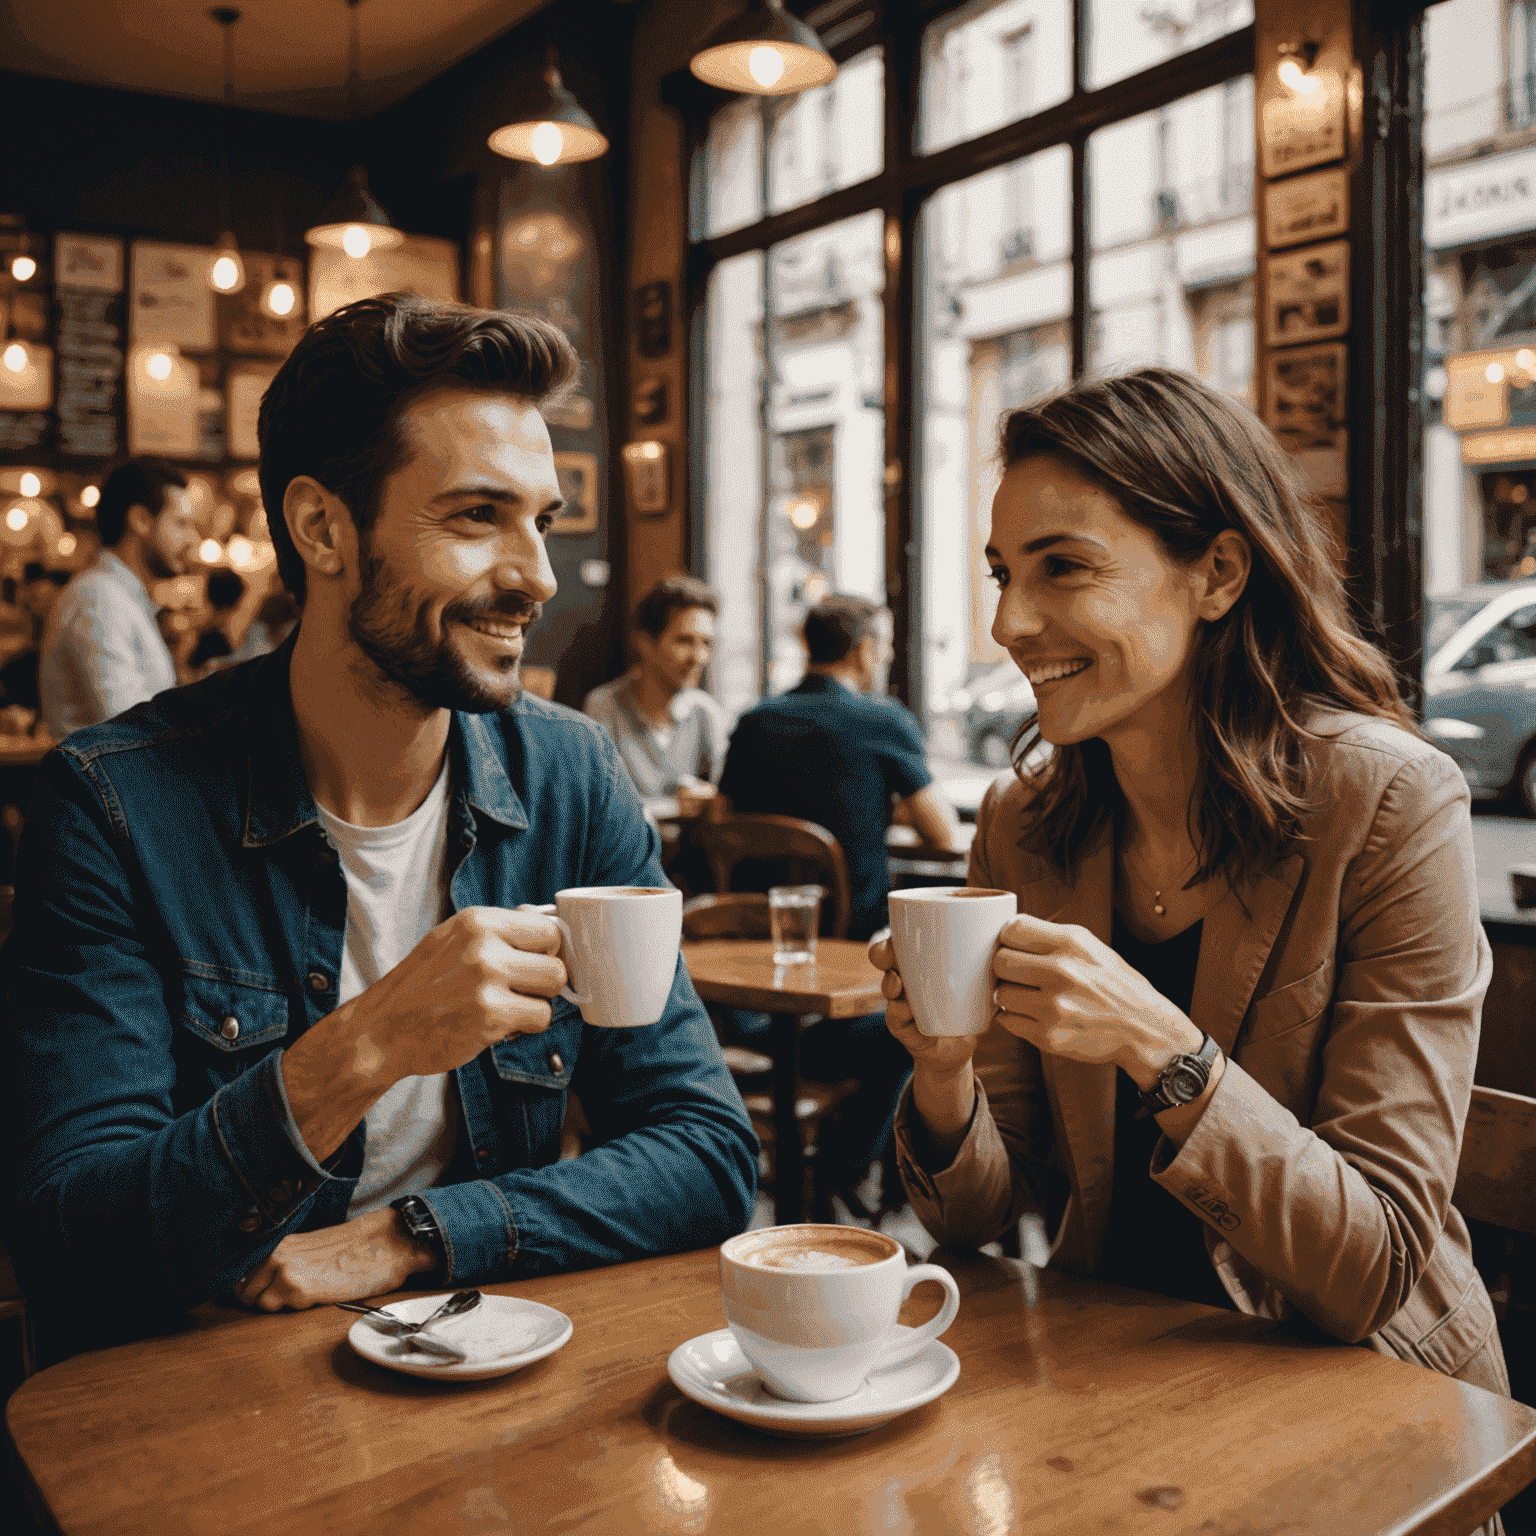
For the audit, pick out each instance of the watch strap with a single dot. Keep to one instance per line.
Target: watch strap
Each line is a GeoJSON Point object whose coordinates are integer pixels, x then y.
{"type": "Point", "coordinates": [422, 1225]}
{"type": "Point", "coordinates": [1157, 1097]}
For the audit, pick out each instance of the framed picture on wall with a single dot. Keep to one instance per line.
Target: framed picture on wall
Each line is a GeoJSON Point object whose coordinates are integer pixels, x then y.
{"type": "Point", "coordinates": [1305, 399]}
{"type": "Point", "coordinates": [578, 483]}
{"type": "Point", "coordinates": [1306, 208]}
{"type": "Point", "coordinates": [1307, 294]}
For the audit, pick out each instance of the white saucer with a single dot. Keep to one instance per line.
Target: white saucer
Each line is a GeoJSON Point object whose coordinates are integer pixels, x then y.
{"type": "Point", "coordinates": [712, 1370]}
{"type": "Point", "coordinates": [502, 1334]}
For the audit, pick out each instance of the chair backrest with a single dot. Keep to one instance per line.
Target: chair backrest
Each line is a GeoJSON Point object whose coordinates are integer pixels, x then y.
{"type": "Point", "coordinates": [1496, 1180]}
{"type": "Point", "coordinates": [728, 915]}
{"type": "Point", "coordinates": [809, 852]}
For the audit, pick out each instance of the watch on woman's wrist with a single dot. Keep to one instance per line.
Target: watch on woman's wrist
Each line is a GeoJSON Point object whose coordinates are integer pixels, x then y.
{"type": "Point", "coordinates": [1182, 1081]}
{"type": "Point", "coordinates": [422, 1228]}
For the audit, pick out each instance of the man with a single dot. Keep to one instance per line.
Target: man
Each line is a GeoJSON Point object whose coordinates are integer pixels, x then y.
{"type": "Point", "coordinates": [277, 1028]}
{"type": "Point", "coordinates": [669, 732]}
{"type": "Point", "coordinates": [836, 751]}
{"type": "Point", "coordinates": [101, 649]}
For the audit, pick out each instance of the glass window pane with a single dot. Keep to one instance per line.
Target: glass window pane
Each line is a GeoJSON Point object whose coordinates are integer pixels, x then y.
{"type": "Point", "coordinates": [989, 63]}
{"type": "Point", "coordinates": [1125, 36]}
{"type": "Point", "coordinates": [825, 524]}
{"type": "Point", "coordinates": [732, 192]}
{"type": "Point", "coordinates": [995, 288]}
{"type": "Point", "coordinates": [1171, 239]}
{"type": "Point", "coordinates": [733, 485]}
{"type": "Point", "coordinates": [827, 138]}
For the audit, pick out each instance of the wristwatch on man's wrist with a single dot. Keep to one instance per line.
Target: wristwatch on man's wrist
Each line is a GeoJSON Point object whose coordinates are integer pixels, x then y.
{"type": "Point", "coordinates": [421, 1225]}
{"type": "Point", "coordinates": [1182, 1081]}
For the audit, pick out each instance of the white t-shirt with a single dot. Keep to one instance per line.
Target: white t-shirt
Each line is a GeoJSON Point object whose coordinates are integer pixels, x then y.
{"type": "Point", "coordinates": [396, 894]}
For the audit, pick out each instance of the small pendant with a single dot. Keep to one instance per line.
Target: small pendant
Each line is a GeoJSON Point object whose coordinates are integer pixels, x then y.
{"type": "Point", "coordinates": [1157, 903]}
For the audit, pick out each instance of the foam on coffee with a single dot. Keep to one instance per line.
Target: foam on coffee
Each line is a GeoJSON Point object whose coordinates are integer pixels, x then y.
{"type": "Point", "coordinates": [816, 1250]}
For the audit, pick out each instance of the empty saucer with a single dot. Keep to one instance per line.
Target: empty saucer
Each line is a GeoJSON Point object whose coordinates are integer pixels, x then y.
{"type": "Point", "coordinates": [712, 1370]}
{"type": "Point", "coordinates": [502, 1334]}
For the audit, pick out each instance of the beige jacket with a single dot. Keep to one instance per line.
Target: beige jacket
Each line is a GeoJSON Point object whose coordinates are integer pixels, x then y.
{"type": "Point", "coordinates": [1347, 1000]}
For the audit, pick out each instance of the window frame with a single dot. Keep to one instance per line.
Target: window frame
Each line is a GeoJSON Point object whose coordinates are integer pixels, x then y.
{"type": "Point", "coordinates": [907, 180]}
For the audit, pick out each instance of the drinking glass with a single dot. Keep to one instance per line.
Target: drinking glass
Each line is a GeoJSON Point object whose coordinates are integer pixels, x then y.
{"type": "Point", "coordinates": [794, 916]}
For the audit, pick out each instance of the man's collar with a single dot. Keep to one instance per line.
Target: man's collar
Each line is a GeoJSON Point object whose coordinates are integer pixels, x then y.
{"type": "Point", "coordinates": [114, 566]}
{"type": "Point", "coordinates": [278, 799]}
{"type": "Point", "coordinates": [822, 682]}
{"type": "Point", "coordinates": [677, 705]}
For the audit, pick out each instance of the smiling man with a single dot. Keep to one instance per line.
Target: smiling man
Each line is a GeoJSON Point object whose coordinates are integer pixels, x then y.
{"type": "Point", "coordinates": [275, 1028]}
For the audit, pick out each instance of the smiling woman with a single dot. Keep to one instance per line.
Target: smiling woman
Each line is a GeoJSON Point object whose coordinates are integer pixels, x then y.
{"type": "Point", "coordinates": [1237, 1014]}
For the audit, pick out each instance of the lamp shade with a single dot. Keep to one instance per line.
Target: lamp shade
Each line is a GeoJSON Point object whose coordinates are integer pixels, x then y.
{"type": "Point", "coordinates": [550, 127]}
{"type": "Point", "coordinates": [354, 220]}
{"type": "Point", "coordinates": [764, 51]}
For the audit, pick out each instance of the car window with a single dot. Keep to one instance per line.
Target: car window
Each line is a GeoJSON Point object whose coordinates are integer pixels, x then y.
{"type": "Point", "coordinates": [1444, 616]}
{"type": "Point", "coordinates": [1512, 640]}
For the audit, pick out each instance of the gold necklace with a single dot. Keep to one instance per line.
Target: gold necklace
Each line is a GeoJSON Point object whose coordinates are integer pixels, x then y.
{"type": "Point", "coordinates": [1158, 909]}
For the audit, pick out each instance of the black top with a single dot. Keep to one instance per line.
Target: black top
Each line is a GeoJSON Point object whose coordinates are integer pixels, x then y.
{"type": "Point", "coordinates": [1153, 1242]}
{"type": "Point", "coordinates": [826, 753]}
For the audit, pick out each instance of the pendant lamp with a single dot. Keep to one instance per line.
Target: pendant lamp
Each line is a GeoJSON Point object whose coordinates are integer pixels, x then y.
{"type": "Point", "coordinates": [550, 126]}
{"type": "Point", "coordinates": [764, 51]}
{"type": "Point", "coordinates": [226, 274]}
{"type": "Point", "coordinates": [353, 220]}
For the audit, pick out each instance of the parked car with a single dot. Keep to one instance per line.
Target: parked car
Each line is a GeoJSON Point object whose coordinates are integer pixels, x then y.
{"type": "Point", "coordinates": [1480, 685]}
{"type": "Point", "coordinates": [993, 705]}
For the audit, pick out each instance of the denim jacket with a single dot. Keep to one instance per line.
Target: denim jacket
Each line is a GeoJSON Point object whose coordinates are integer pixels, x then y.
{"type": "Point", "coordinates": [179, 919]}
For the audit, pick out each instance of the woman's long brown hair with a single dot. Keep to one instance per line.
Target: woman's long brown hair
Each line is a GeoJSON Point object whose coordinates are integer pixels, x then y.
{"type": "Point", "coordinates": [1186, 462]}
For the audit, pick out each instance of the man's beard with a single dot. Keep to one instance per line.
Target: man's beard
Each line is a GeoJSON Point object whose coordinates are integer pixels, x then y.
{"type": "Point", "coordinates": [161, 566]}
{"type": "Point", "coordinates": [393, 629]}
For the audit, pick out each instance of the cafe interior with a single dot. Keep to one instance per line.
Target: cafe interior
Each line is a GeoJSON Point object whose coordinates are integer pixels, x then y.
{"type": "Point", "coordinates": [808, 253]}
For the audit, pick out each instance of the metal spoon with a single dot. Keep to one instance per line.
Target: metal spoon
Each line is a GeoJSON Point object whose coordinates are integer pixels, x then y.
{"type": "Point", "coordinates": [387, 1322]}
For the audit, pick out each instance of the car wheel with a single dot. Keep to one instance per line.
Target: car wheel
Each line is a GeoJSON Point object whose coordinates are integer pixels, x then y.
{"type": "Point", "coordinates": [992, 749]}
{"type": "Point", "coordinates": [1525, 778]}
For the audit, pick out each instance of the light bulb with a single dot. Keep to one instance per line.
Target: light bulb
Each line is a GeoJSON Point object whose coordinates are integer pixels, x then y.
{"type": "Point", "coordinates": [1494, 373]}
{"type": "Point", "coordinates": [280, 300]}
{"type": "Point", "coordinates": [209, 551]}
{"type": "Point", "coordinates": [1293, 75]}
{"type": "Point", "coordinates": [1526, 359]}
{"type": "Point", "coordinates": [159, 366]}
{"type": "Point", "coordinates": [16, 519]}
{"type": "Point", "coordinates": [356, 242]}
{"type": "Point", "coordinates": [226, 274]}
{"type": "Point", "coordinates": [90, 496]}
{"type": "Point", "coordinates": [240, 551]}
{"type": "Point", "coordinates": [22, 267]}
{"type": "Point", "coordinates": [31, 485]}
{"type": "Point", "coordinates": [546, 141]}
{"type": "Point", "coordinates": [67, 544]}
{"type": "Point", "coordinates": [15, 357]}
{"type": "Point", "coordinates": [766, 66]}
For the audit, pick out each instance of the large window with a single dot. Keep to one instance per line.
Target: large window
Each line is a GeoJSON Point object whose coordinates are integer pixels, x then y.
{"type": "Point", "coordinates": [873, 294]}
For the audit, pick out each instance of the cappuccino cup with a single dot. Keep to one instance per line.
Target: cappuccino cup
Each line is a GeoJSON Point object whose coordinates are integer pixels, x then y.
{"type": "Point", "coordinates": [814, 1307]}
{"type": "Point", "coordinates": [944, 938]}
{"type": "Point", "coordinates": [620, 949]}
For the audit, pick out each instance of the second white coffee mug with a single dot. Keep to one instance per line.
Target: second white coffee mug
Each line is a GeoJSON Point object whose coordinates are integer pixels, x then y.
{"type": "Point", "coordinates": [621, 945]}
{"type": "Point", "coordinates": [944, 938]}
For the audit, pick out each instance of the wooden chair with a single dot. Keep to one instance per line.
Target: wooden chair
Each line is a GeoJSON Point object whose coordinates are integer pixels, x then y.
{"type": "Point", "coordinates": [808, 853]}
{"type": "Point", "coordinates": [13, 1306]}
{"type": "Point", "coordinates": [744, 915]}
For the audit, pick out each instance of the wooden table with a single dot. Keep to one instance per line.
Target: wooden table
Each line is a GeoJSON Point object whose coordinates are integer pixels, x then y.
{"type": "Point", "coordinates": [1092, 1409]}
{"type": "Point", "coordinates": [841, 984]}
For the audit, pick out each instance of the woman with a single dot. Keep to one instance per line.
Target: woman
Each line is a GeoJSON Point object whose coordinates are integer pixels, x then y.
{"type": "Point", "coordinates": [1230, 846]}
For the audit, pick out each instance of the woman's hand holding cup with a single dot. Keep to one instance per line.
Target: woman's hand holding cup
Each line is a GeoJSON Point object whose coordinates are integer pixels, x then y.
{"type": "Point", "coordinates": [941, 1056]}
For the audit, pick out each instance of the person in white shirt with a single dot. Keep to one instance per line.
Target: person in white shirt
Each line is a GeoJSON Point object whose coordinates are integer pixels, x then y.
{"type": "Point", "coordinates": [670, 733]}
{"type": "Point", "coordinates": [102, 651]}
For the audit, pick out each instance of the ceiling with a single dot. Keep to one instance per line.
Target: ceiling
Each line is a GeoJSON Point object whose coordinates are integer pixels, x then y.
{"type": "Point", "coordinates": [289, 55]}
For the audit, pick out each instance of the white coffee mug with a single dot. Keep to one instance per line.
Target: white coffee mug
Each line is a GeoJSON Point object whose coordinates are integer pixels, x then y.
{"type": "Point", "coordinates": [818, 1320]}
{"type": "Point", "coordinates": [944, 938]}
{"type": "Point", "coordinates": [620, 950]}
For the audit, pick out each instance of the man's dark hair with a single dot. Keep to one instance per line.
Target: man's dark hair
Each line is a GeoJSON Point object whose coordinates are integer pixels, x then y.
{"type": "Point", "coordinates": [225, 589]}
{"type": "Point", "coordinates": [672, 594]}
{"type": "Point", "coordinates": [334, 411]}
{"type": "Point", "coordinates": [135, 483]}
{"type": "Point", "coordinates": [836, 624]}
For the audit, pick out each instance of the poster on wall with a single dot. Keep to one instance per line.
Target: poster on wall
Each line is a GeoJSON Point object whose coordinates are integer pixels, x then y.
{"type": "Point", "coordinates": [1307, 294]}
{"type": "Point", "coordinates": [1299, 130]}
{"type": "Point", "coordinates": [170, 300]}
{"type": "Point", "coordinates": [1305, 402]}
{"type": "Point", "coordinates": [164, 397]}
{"type": "Point", "coordinates": [1306, 208]}
{"type": "Point", "coordinates": [577, 473]}
{"type": "Point", "coordinates": [244, 387]}
{"type": "Point", "coordinates": [88, 276]}
{"type": "Point", "coordinates": [422, 265]}
{"type": "Point", "coordinates": [244, 326]}
{"type": "Point", "coordinates": [93, 262]}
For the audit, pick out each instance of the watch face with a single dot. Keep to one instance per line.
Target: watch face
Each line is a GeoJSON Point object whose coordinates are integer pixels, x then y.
{"type": "Point", "coordinates": [1184, 1084]}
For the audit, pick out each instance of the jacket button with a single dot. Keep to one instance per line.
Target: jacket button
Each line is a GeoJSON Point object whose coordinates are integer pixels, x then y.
{"type": "Point", "coordinates": [230, 1028]}
{"type": "Point", "coordinates": [318, 981]}
{"type": "Point", "coordinates": [555, 1063]}
{"type": "Point", "coordinates": [483, 1154]}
